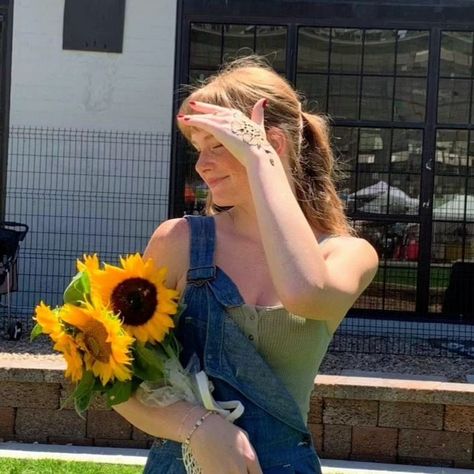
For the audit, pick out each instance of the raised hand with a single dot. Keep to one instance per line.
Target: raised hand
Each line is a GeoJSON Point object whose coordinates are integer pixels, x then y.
{"type": "Point", "coordinates": [244, 137]}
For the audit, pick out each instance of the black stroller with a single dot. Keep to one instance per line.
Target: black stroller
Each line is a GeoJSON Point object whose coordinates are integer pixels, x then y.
{"type": "Point", "coordinates": [11, 234]}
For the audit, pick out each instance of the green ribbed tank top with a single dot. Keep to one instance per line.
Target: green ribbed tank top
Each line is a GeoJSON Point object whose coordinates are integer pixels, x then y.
{"type": "Point", "coordinates": [292, 346]}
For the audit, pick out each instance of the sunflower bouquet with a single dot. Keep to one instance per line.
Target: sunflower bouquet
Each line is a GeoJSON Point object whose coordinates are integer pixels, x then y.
{"type": "Point", "coordinates": [115, 333]}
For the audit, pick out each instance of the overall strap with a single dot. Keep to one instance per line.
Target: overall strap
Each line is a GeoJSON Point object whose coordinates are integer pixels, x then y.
{"type": "Point", "coordinates": [203, 238]}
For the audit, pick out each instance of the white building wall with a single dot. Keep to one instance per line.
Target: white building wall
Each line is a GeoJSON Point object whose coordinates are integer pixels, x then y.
{"type": "Point", "coordinates": [101, 183]}
{"type": "Point", "coordinates": [132, 90]}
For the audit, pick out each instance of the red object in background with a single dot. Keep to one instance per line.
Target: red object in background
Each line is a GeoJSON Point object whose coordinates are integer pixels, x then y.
{"type": "Point", "coordinates": [412, 250]}
{"type": "Point", "coordinates": [189, 195]}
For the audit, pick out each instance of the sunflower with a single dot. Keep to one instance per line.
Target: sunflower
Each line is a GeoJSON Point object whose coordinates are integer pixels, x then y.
{"type": "Point", "coordinates": [50, 322]}
{"type": "Point", "coordinates": [105, 344]}
{"type": "Point", "coordinates": [90, 264]}
{"type": "Point", "coordinates": [67, 345]}
{"type": "Point", "coordinates": [137, 293]}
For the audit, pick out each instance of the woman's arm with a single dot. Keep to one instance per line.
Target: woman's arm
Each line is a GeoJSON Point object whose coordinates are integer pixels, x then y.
{"type": "Point", "coordinates": [308, 283]}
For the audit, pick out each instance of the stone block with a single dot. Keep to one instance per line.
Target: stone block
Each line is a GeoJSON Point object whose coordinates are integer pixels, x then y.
{"type": "Point", "coordinates": [107, 425]}
{"type": "Point", "coordinates": [425, 416]}
{"type": "Point", "coordinates": [140, 435]}
{"type": "Point", "coordinates": [315, 414]}
{"type": "Point", "coordinates": [317, 434]}
{"type": "Point", "coordinates": [44, 423]}
{"type": "Point", "coordinates": [418, 461]}
{"type": "Point", "coordinates": [29, 395]}
{"type": "Point", "coordinates": [7, 421]}
{"type": "Point", "coordinates": [373, 442]}
{"type": "Point", "coordinates": [446, 445]}
{"type": "Point", "coordinates": [70, 441]}
{"type": "Point", "coordinates": [350, 412]}
{"type": "Point", "coordinates": [459, 418]}
{"type": "Point", "coordinates": [121, 443]}
{"type": "Point", "coordinates": [336, 441]}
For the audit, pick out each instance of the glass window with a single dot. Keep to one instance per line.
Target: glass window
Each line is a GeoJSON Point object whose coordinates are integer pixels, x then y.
{"type": "Point", "coordinates": [456, 53]}
{"type": "Point", "coordinates": [410, 99]}
{"type": "Point", "coordinates": [239, 40]}
{"type": "Point", "coordinates": [371, 195]}
{"type": "Point", "coordinates": [451, 152]}
{"type": "Point", "coordinates": [407, 146]}
{"type": "Point", "coordinates": [271, 42]}
{"type": "Point", "coordinates": [404, 194]}
{"type": "Point", "coordinates": [449, 198]}
{"type": "Point", "coordinates": [313, 49]}
{"type": "Point", "coordinates": [412, 52]}
{"type": "Point", "coordinates": [198, 75]}
{"type": "Point", "coordinates": [343, 100]}
{"type": "Point", "coordinates": [344, 142]}
{"type": "Point", "coordinates": [346, 50]}
{"type": "Point", "coordinates": [374, 149]}
{"type": "Point", "coordinates": [377, 94]}
{"type": "Point", "coordinates": [470, 162]}
{"type": "Point", "coordinates": [453, 100]}
{"type": "Point", "coordinates": [314, 89]}
{"type": "Point", "coordinates": [379, 51]}
{"type": "Point", "coordinates": [205, 48]}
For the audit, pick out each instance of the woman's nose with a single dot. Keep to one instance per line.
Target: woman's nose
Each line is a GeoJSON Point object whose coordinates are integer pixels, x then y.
{"type": "Point", "coordinates": [205, 161]}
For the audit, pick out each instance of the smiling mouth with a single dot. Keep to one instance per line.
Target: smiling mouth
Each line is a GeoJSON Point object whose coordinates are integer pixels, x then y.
{"type": "Point", "coordinates": [212, 182]}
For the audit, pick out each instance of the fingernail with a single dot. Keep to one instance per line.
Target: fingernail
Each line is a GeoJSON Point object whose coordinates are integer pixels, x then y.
{"type": "Point", "coordinates": [180, 116]}
{"type": "Point", "coordinates": [192, 102]}
{"type": "Point", "coordinates": [186, 118]}
{"type": "Point", "coordinates": [265, 104]}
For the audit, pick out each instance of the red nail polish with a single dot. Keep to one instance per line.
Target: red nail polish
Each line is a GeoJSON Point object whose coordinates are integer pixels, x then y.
{"type": "Point", "coordinates": [180, 115]}
{"type": "Point", "coordinates": [186, 118]}
{"type": "Point", "coordinates": [192, 102]}
{"type": "Point", "coordinates": [265, 104]}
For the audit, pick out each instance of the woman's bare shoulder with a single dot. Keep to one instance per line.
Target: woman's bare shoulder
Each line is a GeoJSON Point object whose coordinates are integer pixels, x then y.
{"type": "Point", "coordinates": [169, 246]}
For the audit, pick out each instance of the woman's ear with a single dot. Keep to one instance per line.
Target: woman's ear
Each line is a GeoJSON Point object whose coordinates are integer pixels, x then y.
{"type": "Point", "coordinates": [278, 140]}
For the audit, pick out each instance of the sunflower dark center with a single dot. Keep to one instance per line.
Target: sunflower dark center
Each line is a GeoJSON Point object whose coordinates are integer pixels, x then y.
{"type": "Point", "coordinates": [136, 301]}
{"type": "Point", "coordinates": [95, 339]}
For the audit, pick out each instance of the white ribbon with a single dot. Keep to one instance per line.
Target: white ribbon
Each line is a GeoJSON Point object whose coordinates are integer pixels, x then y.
{"type": "Point", "coordinates": [230, 410]}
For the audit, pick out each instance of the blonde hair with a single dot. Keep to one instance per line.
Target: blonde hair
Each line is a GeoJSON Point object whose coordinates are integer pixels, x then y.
{"type": "Point", "coordinates": [239, 85]}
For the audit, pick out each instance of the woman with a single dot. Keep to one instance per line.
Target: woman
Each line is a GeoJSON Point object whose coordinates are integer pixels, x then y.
{"type": "Point", "coordinates": [267, 276]}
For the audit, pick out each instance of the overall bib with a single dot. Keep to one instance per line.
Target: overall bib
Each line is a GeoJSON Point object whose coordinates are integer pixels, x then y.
{"type": "Point", "coordinates": [271, 418]}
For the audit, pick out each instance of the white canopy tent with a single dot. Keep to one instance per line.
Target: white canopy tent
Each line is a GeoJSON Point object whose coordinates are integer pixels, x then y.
{"type": "Point", "coordinates": [454, 209]}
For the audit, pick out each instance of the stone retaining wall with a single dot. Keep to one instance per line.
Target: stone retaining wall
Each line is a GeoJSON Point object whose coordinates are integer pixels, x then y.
{"type": "Point", "coordinates": [360, 418]}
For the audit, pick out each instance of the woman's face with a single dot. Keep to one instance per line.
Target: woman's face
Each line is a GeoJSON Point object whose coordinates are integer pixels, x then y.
{"type": "Point", "coordinates": [224, 175]}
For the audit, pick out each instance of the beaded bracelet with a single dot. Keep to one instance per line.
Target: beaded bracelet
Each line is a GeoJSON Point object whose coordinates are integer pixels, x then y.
{"type": "Point", "coordinates": [197, 425]}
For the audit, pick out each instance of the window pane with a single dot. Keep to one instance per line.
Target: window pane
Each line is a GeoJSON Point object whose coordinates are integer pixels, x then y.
{"type": "Point", "coordinates": [374, 149]}
{"type": "Point", "coordinates": [453, 100]}
{"type": "Point", "coordinates": [449, 198]}
{"type": "Point", "coordinates": [238, 41]}
{"type": "Point", "coordinates": [410, 99]}
{"type": "Point", "coordinates": [412, 52]}
{"type": "Point", "coordinates": [404, 194]}
{"type": "Point", "coordinates": [451, 152]}
{"type": "Point", "coordinates": [343, 101]}
{"type": "Point", "coordinates": [314, 89]}
{"type": "Point", "coordinates": [372, 193]}
{"type": "Point", "coordinates": [344, 142]}
{"type": "Point", "coordinates": [456, 53]}
{"type": "Point", "coordinates": [205, 49]}
{"type": "Point", "coordinates": [346, 50]}
{"type": "Point", "coordinates": [313, 49]}
{"type": "Point", "coordinates": [379, 51]}
{"type": "Point", "coordinates": [377, 93]}
{"type": "Point", "coordinates": [407, 146]}
{"type": "Point", "coordinates": [271, 42]}
{"type": "Point", "coordinates": [196, 75]}
{"type": "Point", "coordinates": [470, 201]}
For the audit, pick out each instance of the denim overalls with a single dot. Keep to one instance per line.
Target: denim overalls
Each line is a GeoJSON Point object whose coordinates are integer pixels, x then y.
{"type": "Point", "coordinates": [271, 418]}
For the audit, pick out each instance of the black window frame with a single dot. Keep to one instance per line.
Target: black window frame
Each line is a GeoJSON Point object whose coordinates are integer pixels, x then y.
{"type": "Point", "coordinates": [435, 16]}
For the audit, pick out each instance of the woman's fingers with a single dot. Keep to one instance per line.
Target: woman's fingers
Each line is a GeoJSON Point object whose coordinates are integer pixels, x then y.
{"type": "Point", "coordinates": [258, 112]}
{"type": "Point", "coordinates": [206, 108]}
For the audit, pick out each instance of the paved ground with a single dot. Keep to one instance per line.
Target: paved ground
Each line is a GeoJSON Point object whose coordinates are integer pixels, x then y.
{"type": "Point", "coordinates": [138, 457]}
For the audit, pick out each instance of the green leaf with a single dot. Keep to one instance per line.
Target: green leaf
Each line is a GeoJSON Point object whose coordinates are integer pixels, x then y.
{"type": "Point", "coordinates": [78, 289]}
{"type": "Point", "coordinates": [119, 392]}
{"type": "Point", "coordinates": [148, 363]}
{"type": "Point", "coordinates": [35, 332]}
{"type": "Point", "coordinates": [84, 391]}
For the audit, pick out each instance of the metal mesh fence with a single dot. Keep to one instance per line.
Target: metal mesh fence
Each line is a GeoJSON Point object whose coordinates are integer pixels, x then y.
{"type": "Point", "coordinates": [80, 191]}
{"type": "Point", "coordinates": [86, 191]}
